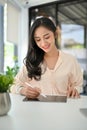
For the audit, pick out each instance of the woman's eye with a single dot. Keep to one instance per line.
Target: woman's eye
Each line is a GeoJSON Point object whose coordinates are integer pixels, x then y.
{"type": "Point", "coordinates": [47, 37]}
{"type": "Point", "coordinates": [37, 40]}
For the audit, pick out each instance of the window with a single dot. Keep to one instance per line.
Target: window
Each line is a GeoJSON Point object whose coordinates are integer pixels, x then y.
{"type": "Point", "coordinates": [72, 36]}
{"type": "Point", "coordinates": [8, 55]}
{"type": "Point", "coordinates": [9, 47]}
{"type": "Point", "coordinates": [1, 38]}
{"type": "Point", "coordinates": [71, 17]}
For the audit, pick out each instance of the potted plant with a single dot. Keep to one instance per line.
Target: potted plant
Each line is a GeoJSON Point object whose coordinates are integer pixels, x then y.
{"type": "Point", "coordinates": [5, 103]}
{"type": "Point", "coordinates": [6, 80]}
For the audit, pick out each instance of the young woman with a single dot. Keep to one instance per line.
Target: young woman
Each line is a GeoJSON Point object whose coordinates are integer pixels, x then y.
{"type": "Point", "coordinates": [46, 68]}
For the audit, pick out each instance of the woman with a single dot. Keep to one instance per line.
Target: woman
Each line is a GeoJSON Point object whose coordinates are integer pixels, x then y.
{"type": "Point", "coordinates": [47, 69]}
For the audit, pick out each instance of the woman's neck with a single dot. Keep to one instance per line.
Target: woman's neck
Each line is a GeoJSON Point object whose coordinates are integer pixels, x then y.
{"type": "Point", "coordinates": [51, 59]}
{"type": "Point", "coordinates": [53, 53]}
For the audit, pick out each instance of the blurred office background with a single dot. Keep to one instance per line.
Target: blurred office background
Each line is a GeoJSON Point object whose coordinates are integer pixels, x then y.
{"type": "Point", "coordinates": [16, 16]}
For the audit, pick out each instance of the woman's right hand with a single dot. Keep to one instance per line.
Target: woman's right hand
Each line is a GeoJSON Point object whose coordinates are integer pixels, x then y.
{"type": "Point", "coordinates": [30, 92]}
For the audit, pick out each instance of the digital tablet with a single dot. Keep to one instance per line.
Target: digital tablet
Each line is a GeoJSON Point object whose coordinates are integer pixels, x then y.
{"type": "Point", "coordinates": [48, 98]}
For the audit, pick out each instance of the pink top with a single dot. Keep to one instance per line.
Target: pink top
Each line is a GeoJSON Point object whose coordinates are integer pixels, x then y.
{"type": "Point", "coordinates": [67, 72]}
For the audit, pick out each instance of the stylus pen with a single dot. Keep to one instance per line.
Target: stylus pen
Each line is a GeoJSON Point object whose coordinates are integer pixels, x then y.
{"type": "Point", "coordinates": [33, 87]}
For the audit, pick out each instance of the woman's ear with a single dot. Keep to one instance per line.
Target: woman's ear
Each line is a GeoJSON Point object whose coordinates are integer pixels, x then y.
{"type": "Point", "coordinates": [56, 33]}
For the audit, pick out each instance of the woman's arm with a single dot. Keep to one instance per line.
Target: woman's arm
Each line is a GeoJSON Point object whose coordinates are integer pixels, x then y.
{"type": "Point", "coordinates": [76, 80]}
{"type": "Point", "coordinates": [19, 86]}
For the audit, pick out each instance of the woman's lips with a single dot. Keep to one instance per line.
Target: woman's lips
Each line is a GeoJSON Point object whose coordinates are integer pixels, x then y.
{"type": "Point", "coordinates": [46, 47]}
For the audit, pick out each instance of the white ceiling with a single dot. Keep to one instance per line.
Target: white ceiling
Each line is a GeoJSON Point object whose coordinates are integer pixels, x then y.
{"type": "Point", "coordinates": [29, 3]}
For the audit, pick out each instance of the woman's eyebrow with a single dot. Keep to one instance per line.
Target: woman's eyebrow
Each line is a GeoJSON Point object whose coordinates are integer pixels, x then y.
{"type": "Point", "coordinates": [43, 35]}
{"type": "Point", "coordinates": [46, 34]}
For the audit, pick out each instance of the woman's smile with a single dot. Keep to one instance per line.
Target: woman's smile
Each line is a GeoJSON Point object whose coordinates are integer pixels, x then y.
{"type": "Point", "coordinates": [46, 47]}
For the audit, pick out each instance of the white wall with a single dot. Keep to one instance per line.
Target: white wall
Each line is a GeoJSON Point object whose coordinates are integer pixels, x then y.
{"type": "Point", "coordinates": [23, 35]}
{"type": "Point", "coordinates": [13, 14]}
{"type": "Point", "coordinates": [21, 27]}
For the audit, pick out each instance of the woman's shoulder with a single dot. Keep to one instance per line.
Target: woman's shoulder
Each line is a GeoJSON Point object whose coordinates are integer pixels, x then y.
{"type": "Point", "coordinates": [68, 56]}
{"type": "Point", "coordinates": [23, 68]}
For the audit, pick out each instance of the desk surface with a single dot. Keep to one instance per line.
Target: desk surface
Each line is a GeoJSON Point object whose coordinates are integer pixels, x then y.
{"type": "Point", "coordinates": [71, 115]}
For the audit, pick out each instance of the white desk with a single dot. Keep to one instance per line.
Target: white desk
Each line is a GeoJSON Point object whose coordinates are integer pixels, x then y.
{"type": "Point", "coordinates": [45, 116]}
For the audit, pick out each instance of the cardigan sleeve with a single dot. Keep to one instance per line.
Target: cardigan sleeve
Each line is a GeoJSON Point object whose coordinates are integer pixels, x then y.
{"type": "Point", "coordinates": [19, 80]}
{"type": "Point", "coordinates": [76, 78]}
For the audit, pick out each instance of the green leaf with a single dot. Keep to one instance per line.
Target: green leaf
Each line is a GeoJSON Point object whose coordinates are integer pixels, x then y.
{"type": "Point", "coordinates": [5, 82]}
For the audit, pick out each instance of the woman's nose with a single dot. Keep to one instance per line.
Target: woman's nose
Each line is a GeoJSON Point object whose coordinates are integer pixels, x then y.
{"type": "Point", "coordinates": [43, 42]}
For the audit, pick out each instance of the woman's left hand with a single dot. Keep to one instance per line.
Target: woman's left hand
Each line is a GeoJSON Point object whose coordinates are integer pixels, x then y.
{"type": "Point", "coordinates": [72, 92]}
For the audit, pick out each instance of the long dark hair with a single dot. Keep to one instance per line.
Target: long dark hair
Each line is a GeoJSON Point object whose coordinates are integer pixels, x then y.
{"type": "Point", "coordinates": [35, 55]}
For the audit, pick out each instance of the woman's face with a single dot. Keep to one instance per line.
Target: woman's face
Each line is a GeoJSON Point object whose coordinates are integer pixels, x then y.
{"type": "Point", "coordinates": [44, 39]}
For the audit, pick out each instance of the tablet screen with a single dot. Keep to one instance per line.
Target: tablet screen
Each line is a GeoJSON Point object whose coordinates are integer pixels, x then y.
{"type": "Point", "coordinates": [48, 98]}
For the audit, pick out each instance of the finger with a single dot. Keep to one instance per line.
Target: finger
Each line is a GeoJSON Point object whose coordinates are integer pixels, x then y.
{"type": "Point", "coordinates": [34, 93]}
{"type": "Point", "coordinates": [28, 92]}
{"type": "Point", "coordinates": [73, 93]}
{"type": "Point", "coordinates": [77, 95]}
{"type": "Point", "coordinates": [69, 92]}
{"type": "Point", "coordinates": [38, 89]}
